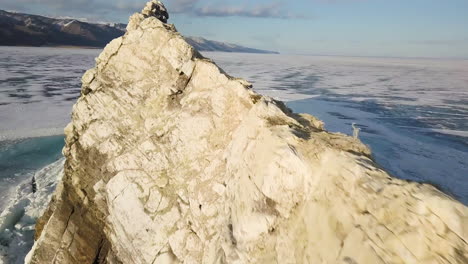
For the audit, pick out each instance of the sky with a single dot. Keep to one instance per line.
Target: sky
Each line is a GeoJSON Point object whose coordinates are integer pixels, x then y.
{"type": "Point", "coordinates": [388, 28]}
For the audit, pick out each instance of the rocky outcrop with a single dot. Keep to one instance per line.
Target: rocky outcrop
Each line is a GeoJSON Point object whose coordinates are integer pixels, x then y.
{"type": "Point", "coordinates": [170, 160]}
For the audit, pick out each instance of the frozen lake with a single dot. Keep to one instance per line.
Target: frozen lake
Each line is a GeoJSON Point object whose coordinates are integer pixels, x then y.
{"type": "Point", "coordinates": [38, 86]}
{"type": "Point", "coordinates": [413, 113]}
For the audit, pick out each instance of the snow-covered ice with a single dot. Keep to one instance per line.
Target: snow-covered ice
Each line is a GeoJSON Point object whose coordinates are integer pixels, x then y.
{"type": "Point", "coordinates": [19, 217]}
{"type": "Point", "coordinates": [38, 87]}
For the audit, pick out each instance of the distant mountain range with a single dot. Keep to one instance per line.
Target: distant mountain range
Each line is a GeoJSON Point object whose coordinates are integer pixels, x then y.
{"type": "Point", "coordinates": [30, 30]}
{"type": "Point", "coordinates": [18, 29]}
{"type": "Point", "coordinates": [211, 45]}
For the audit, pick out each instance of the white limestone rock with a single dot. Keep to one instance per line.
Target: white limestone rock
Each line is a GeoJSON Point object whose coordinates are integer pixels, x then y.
{"type": "Point", "coordinates": [170, 160]}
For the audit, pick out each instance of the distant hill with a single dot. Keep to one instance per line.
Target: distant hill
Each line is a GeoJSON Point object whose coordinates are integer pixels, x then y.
{"type": "Point", "coordinates": [211, 45]}
{"type": "Point", "coordinates": [18, 29]}
{"type": "Point", "coordinates": [30, 30]}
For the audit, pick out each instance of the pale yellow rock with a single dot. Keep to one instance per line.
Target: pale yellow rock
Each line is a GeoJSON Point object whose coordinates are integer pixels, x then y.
{"type": "Point", "coordinates": [169, 160]}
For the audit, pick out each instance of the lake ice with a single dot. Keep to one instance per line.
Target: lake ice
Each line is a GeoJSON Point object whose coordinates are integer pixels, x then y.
{"type": "Point", "coordinates": [413, 113]}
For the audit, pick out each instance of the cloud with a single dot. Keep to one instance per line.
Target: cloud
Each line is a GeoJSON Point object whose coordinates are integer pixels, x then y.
{"type": "Point", "coordinates": [53, 4]}
{"type": "Point", "coordinates": [181, 6]}
{"type": "Point", "coordinates": [272, 10]}
{"type": "Point", "coordinates": [440, 42]}
{"type": "Point", "coordinates": [111, 9]}
{"type": "Point", "coordinates": [94, 10]}
{"type": "Point", "coordinates": [198, 8]}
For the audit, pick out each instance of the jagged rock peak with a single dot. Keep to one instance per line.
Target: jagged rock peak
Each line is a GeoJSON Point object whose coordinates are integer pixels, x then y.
{"type": "Point", "coordinates": [156, 9]}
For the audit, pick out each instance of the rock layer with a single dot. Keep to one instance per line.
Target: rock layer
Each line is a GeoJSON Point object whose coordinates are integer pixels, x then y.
{"type": "Point", "coordinates": [170, 160]}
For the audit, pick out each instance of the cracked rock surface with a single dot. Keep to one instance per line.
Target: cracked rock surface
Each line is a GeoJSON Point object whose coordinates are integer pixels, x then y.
{"type": "Point", "coordinates": [170, 160]}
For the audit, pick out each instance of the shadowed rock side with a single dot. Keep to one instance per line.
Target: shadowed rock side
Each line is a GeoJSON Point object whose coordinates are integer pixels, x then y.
{"type": "Point", "coordinates": [170, 160]}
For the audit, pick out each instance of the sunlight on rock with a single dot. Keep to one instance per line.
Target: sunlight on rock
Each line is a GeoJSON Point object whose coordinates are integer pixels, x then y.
{"type": "Point", "coordinates": [170, 160]}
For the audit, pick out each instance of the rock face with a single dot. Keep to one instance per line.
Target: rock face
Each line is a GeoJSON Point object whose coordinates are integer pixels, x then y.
{"type": "Point", "coordinates": [170, 160]}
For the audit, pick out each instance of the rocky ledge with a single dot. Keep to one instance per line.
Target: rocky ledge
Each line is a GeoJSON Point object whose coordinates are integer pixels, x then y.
{"type": "Point", "coordinates": [170, 160]}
